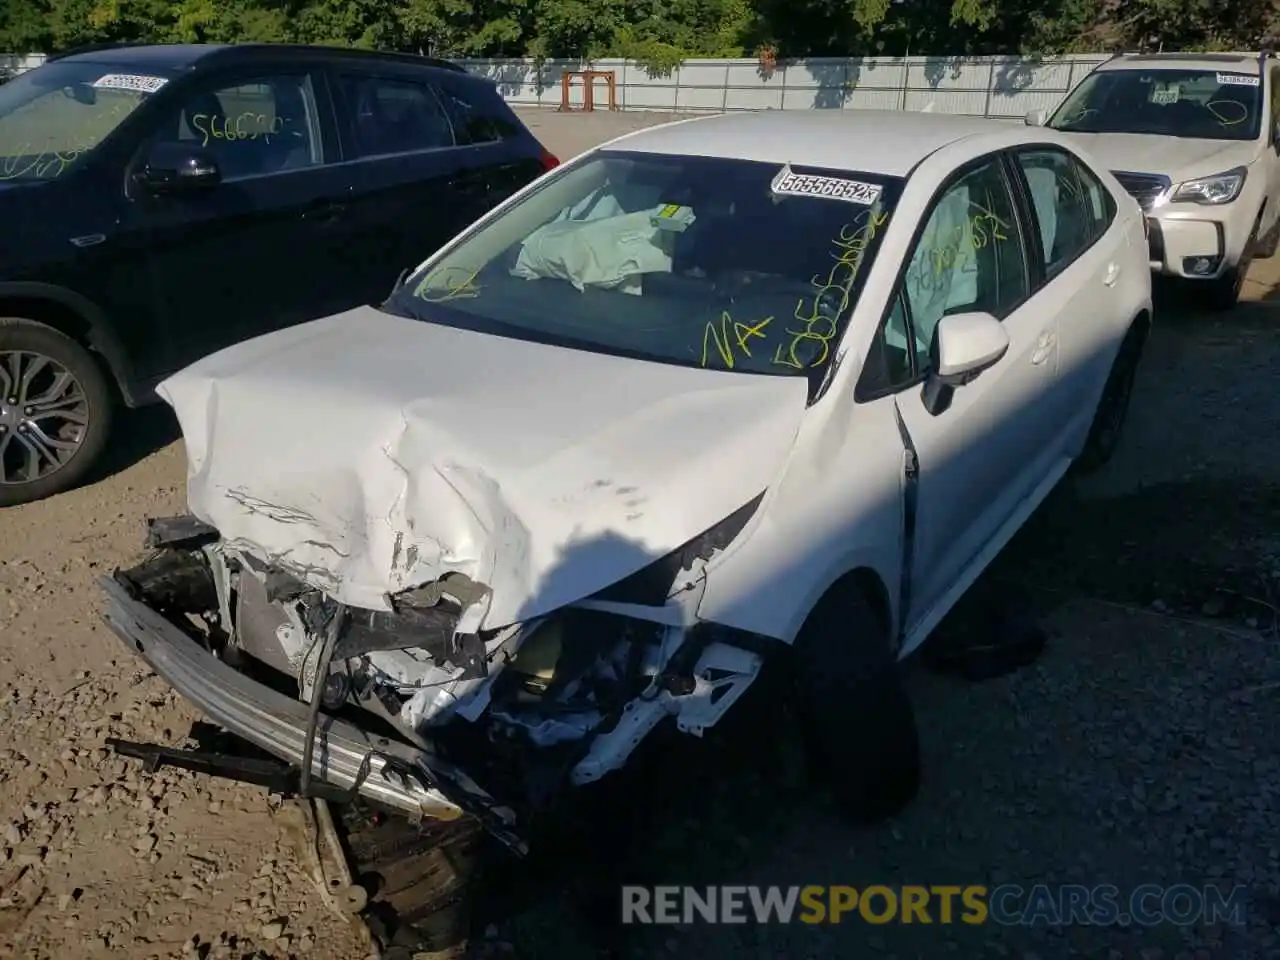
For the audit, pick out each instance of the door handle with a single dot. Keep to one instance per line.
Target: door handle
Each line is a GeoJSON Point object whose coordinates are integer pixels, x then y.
{"type": "Point", "coordinates": [1044, 347]}
{"type": "Point", "coordinates": [324, 210]}
{"type": "Point", "coordinates": [475, 180]}
{"type": "Point", "coordinates": [1113, 274]}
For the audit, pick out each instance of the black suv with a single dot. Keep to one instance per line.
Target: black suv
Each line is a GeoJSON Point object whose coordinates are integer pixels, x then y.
{"type": "Point", "coordinates": [161, 202]}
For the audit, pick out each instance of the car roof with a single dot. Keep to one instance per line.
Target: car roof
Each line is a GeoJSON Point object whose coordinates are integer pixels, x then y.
{"type": "Point", "coordinates": [1238, 62]}
{"type": "Point", "coordinates": [183, 56]}
{"type": "Point", "coordinates": [887, 142]}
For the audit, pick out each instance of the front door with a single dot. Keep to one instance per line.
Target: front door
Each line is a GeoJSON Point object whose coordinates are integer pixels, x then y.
{"type": "Point", "coordinates": [980, 457]}
{"type": "Point", "coordinates": [254, 253]}
{"type": "Point", "coordinates": [416, 185]}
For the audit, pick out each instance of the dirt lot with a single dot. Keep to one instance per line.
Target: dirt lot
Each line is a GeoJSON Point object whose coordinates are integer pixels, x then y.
{"type": "Point", "coordinates": [1140, 749]}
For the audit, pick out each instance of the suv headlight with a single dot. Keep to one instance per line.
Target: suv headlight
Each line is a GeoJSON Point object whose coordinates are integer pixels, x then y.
{"type": "Point", "coordinates": [1220, 188]}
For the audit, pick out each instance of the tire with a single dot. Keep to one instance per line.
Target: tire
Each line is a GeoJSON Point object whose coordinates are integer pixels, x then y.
{"type": "Point", "coordinates": [1112, 412]}
{"type": "Point", "coordinates": [1267, 248]}
{"type": "Point", "coordinates": [86, 399]}
{"type": "Point", "coordinates": [1223, 293]}
{"type": "Point", "coordinates": [857, 721]}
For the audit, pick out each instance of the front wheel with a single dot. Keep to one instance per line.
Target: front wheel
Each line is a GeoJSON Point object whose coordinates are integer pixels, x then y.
{"type": "Point", "coordinates": [1223, 293]}
{"type": "Point", "coordinates": [859, 727]}
{"type": "Point", "coordinates": [55, 411]}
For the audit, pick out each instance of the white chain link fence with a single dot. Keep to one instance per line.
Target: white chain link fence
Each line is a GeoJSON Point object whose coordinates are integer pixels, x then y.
{"type": "Point", "coordinates": [1004, 87]}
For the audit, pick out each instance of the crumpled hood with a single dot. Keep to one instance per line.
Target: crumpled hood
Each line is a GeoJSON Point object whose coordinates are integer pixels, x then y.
{"type": "Point", "coordinates": [370, 454]}
{"type": "Point", "coordinates": [1178, 158]}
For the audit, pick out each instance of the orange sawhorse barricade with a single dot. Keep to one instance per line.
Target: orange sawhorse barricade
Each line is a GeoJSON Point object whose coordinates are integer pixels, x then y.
{"type": "Point", "coordinates": [589, 78]}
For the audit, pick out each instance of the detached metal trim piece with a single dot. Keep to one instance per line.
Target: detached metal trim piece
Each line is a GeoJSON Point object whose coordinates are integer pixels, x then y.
{"type": "Point", "coordinates": [344, 755]}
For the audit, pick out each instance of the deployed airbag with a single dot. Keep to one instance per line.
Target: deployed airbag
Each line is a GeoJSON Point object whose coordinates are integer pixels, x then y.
{"type": "Point", "coordinates": [597, 243]}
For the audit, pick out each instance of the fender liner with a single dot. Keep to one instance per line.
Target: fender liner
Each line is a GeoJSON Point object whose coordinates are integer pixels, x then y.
{"type": "Point", "coordinates": [102, 337]}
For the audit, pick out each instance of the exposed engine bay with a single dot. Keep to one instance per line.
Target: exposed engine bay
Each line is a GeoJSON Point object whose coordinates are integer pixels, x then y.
{"type": "Point", "coordinates": [526, 710]}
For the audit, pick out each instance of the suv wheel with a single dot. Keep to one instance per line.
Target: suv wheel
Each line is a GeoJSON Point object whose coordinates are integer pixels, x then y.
{"type": "Point", "coordinates": [1224, 293]}
{"type": "Point", "coordinates": [55, 411]}
{"type": "Point", "coordinates": [859, 727]}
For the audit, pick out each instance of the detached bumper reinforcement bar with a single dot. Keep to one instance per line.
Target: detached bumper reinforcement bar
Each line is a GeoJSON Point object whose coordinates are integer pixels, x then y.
{"type": "Point", "coordinates": [392, 773]}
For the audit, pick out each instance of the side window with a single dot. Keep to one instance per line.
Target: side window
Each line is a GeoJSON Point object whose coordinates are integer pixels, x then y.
{"type": "Point", "coordinates": [969, 256]}
{"type": "Point", "coordinates": [261, 126]}
{"type": "Point", "coordinates": [474, 124]}
{"type": "Point", "coordinates": [889, 363]}
{"type": "Point", "coordinates": [1071, 206]}
{"type": "Point", "coordinates": [394, 116]}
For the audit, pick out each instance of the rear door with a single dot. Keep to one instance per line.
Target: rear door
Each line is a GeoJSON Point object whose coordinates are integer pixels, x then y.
{"type": "Point", "coordinates": [256, 252]}
{"type": "Point", "coordinates": [416, 184]}
{"type": "Point", "coordinates": [1081, 261]}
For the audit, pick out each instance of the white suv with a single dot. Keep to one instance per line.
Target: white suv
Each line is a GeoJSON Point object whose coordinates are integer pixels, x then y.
{"type": "Point", "coordinates": [1195, 139]}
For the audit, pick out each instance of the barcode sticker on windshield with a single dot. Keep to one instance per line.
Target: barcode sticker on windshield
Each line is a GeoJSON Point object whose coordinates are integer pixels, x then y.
{"type": "Point", "coordinates": [787, 183]}
{"type": "Point", "coordinates": [130, 81]}
{"type": "Point", "coordinates": [1238, 79]}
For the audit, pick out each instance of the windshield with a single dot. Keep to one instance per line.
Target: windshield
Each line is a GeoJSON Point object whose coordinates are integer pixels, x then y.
{"type": "Point", "coordinates": [700, 261]}
{"type": "Point", "coordinates": [53, 116]}
{"type": "Point", "coordinates": [1201, 104]}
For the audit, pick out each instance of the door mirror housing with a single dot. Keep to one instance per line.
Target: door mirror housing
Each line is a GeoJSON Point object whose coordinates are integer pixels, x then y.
{"type": "Point", "coordinates": [1036, 118]}
{"type": "Point", "coordinates": [964, 345]}
{"type": "Point", "coordinates": [178, 168]}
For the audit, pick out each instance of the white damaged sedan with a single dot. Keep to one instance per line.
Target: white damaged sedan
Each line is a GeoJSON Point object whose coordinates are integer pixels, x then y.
{"type": "Point", "coordinates": [719, 389]}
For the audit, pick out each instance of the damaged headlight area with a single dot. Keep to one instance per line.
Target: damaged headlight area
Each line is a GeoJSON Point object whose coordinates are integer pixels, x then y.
{"type": "Point", "coordinates": [526, 710]}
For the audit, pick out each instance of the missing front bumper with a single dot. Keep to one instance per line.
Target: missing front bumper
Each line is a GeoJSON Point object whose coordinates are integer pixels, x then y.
{"type": "Point", "coordinates": [396, 775]}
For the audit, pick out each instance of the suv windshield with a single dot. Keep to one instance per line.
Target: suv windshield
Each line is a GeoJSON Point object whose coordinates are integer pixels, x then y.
{"type": "Point", "coordinates": [1201, 104]}
{"type": "Point", "coordinates": [699, 261]}
{"type": "Point", "coordinates": [53, 116]}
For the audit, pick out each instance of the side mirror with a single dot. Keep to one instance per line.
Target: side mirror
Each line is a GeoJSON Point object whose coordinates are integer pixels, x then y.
{"type": "Point", "coordinates": [178, 168]}
{"type": "Point", "coordinates": [1036, 118]}
{"type": "Point", "coordinates": [964, 345]}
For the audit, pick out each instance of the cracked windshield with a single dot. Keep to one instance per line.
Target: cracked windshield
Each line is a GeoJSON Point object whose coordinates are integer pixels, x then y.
{"type": "Point", "coordinates": [52, 117]}
{"type": "Point", "coordinates": [1200, 104]}
{"type": "Point", "coordinates": [708, 262]}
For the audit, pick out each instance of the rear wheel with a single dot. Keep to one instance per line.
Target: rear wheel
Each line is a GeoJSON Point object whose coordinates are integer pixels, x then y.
{"type": "Point", "coordinates": [858, 723]}
{"type": "Point", "coordinates": [55, 411]}
{"type": "Point", "coordinates": [1113, 408]}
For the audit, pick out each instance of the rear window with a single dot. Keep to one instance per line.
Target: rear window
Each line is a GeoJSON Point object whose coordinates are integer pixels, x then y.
{"type": "Point", "coordinates": [700, 261]}
{"type": "Point", "coordinates": [477, 117]}
{"type": "Point", "coordinates": [391, 115]}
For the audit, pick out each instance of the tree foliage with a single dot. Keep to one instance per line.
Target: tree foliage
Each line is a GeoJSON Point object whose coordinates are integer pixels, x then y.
{"type": "Point", "coordinates": [660, 33]}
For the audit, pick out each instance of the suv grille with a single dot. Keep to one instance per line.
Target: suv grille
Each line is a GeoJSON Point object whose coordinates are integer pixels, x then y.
{"type": "Point", "coordinates": [1143, 187]}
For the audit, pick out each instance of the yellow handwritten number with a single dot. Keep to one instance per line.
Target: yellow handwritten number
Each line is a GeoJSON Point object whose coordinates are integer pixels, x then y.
{"type": "Point", "coordinates": [819, 327]}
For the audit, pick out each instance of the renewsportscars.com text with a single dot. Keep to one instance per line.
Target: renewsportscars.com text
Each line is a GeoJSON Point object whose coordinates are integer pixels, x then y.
{"type": "Point", "coordinates": [973, 904]}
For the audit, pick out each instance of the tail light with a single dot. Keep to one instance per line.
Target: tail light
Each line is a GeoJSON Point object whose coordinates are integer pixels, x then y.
{"type": "Point", "coordinates": [548, 159]}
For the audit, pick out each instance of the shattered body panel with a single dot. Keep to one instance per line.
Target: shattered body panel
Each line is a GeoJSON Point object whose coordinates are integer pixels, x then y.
{"type": "Point", "coordinates": [365, 455]}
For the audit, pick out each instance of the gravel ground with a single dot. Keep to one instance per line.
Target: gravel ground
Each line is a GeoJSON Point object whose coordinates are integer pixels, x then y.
{"type": "Point", "coordinates": [1141, 748]}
